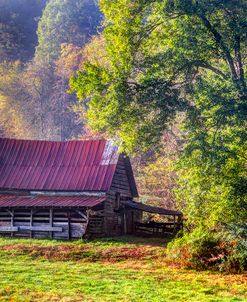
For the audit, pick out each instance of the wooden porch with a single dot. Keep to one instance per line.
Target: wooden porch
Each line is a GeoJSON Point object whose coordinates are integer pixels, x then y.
{"type": "Point", "coordinates": [172, 225]}
{"type": "Point", "coordinates": [157, 229]}
{"type": "Point", "coordinates": [58, 223]}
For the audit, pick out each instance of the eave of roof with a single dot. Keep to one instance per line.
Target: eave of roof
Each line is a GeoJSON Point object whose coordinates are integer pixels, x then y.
{"type": "Point", "coordinates": [11, 201]}
{"type": "Point", "coordinates": [151, 209]}
{"type": "Point", "coordinates": [131, 177]}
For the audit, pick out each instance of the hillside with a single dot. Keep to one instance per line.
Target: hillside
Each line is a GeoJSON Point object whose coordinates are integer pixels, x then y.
{"type": "Point", "coordinates": [40, 48]}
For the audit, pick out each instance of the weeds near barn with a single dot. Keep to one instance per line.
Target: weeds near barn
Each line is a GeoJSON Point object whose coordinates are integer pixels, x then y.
{"type": "Point", "coordinates": [123, 269]}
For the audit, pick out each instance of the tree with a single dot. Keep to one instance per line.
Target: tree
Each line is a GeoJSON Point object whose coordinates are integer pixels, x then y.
{"type": "Point", "coordinates": [169, 56]}
{"type": "Point", "coordinates": [39, 80]}
{"type": "Point", "coordinates": [70, 125]}
{"type": "Point", "coordinates": [158, 51]}
{"type": "Point", "coordinates": [15, 118]}
{"type": "Point", "coordinates": [155, 173]}
{"type": "Point", "coordinates": [18, 24]}
{"type": "Point", "coordinates": [65, 21]}
{"type": "Point", "coordinates": [38, 91]}
{"type": "Point", "coordinates": [64, 26]}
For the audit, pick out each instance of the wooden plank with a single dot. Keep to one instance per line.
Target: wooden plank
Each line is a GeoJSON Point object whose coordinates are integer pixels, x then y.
{"type": "Point", "coordinates": [8, 229]}
{"type": "Point", "coordinates": [69, 226]}
{"type": "Point", "coordinates": [31, 223]}
{"type": "Point", "coordinates": [125, 222]}
{"type": "Point", "coordinates": [40, 218]}
{"type": "Point", "coordinates": [41, 228]}
{"type": "Point", "coordinates": [51, 222]}
{"type": "Point", "coordinates": [12, 220]}
{"type": "Point", "coordinates": [82, 215]}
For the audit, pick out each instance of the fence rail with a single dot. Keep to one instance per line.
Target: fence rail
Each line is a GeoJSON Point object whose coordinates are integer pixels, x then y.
{"type": "Point", "coordinates": [158, 229]}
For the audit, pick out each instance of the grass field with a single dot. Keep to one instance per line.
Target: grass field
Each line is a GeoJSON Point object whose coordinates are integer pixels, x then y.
{"type": "Point", "coordinates": [121, 269]}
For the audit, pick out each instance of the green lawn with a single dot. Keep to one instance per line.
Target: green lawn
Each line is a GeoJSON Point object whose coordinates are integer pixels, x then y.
{"type": "Point", "coordinates": [122, 269]}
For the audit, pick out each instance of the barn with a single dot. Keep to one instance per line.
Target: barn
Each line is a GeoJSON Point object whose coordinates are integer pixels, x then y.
{"type": "Point", "coordinates": [68, 190]}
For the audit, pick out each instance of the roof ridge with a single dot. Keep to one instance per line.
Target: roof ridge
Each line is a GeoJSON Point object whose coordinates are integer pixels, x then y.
{"type": "Point", "coordinates": [54, 141]}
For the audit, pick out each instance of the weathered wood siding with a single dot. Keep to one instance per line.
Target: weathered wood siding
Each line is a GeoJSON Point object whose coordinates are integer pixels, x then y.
{"type": "Point", "coordinates": [114, 216]}
{"type": "Point", "coordinates": [43, 223]}
{"type": "Point", "coordinates": [132, 216]}
{"type": "Point", "coordinates": [95, 226]}
{"type": "Point", "coordinates": [120, 182]}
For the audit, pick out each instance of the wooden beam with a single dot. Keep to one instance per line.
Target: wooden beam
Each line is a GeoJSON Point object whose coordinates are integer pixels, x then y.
{"type": "Point", "coordinates": [31, 223]}
{"type": "Point", "coordinates": [125, 221]}
{"type": "Point", "coordinates": [69, 226]}
{"type": "Point", "coordinates": [88, 211]}
{"type": "Point", "coordinates": [9, 229]}
{"type": "Point", "coordinates": [42, 228]}
{"type": "Point", "coordinates": [12, 213]}
{"type": "Point", "coordinates": [51, 221]}
{"type": "Point", "coordinates": [82, 215]}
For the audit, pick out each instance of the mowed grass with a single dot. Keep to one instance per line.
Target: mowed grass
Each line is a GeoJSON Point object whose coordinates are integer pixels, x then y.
{"type": "Point", "coordinates": [119, 269]}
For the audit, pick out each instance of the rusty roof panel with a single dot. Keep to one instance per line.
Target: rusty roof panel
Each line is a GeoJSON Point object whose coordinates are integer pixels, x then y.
{"type": "Point", "coordinates": [50, 201]}
{"type": "Point", "coordinates": [53, 166]}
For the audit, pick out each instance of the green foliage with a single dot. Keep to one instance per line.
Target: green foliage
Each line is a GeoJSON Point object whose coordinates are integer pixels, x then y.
{"type": "Point", "coordinates": [157, 51]}
{"type": "Point", "coordinates": [154, 172]}
{"type": "Point", "coordinates": [170, 56]}
{"type": "Point", "coordinates": [212, 177]}
{"type": "Point", "coordinates": [194, 249]}
{"type": "Point", "coordinates": [235, 237]}
{"type": "Point", "coordinates": [65, 21]}
{"type": "Point", "coordinates": [202, 249]}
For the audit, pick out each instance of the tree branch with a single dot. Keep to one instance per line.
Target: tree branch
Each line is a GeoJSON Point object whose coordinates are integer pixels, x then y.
{"type": "Point", "coordinates": [203, 64]}
{"type": "Point", "coordinates": [237, 47]}
{"type": "Point", "coordinates": [206, 65]}
{"type": "Point", "coordinates": [220, 42]}
{"type": "Point", "coordinates": [239, 60]}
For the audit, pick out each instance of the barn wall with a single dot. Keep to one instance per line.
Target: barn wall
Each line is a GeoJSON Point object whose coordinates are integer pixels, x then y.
{"type": "Point", "coordinates": [114, 216]}
{"type": "Point", "coordinates": [106, 219]}
{"type": "Point", "coordinates": [42, 223]}
{"type": "Point", "coordinates": [132, 216]}
{"type": "Point", "coordinates": [95, 226]}
{"type": "Point", "coordinates": [120, 182]}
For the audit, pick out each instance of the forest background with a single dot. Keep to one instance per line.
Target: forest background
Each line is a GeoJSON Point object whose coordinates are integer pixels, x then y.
{"type": "Point", "coordinates": [167, 78]}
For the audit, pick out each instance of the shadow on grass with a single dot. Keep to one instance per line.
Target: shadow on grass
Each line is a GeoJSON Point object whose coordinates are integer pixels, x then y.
{"type": "Point", "coordinates": [113, 249]}
{"type": "Point", "coordinates": [106, 241]}
{"type": "Point", "coordinates": [136, 240]}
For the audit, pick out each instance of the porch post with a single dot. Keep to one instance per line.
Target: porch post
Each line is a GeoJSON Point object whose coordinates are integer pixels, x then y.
{"type": "Point", "coordinates": [31, 223]}
{"type": "Point", "coordinates": [125, 221]}
{"type": "Point", "coordinates": [174, 224]}
{"type": "Point", "coordinates": [69, 225]}
{"type": "Point", "coordinates": [12, 213]}
{"type": "Point", "coordinates": [51, 221]}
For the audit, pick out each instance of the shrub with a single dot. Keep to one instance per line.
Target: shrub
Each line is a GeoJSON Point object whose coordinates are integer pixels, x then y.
{"type": "Point", "coordinates": [235, 240]}
{"type": "Point", "coordinates": [225, 250]}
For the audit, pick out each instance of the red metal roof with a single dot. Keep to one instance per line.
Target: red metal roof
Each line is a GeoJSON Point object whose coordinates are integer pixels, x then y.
{"type": "Point", "coordinates": [50, 201]}
{"type": "Point", "coordinates": [85, 165]}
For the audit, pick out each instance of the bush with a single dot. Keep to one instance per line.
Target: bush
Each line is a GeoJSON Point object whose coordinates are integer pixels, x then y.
{"type": "Point", "coordinates": [235, 239]}
{"type": "Point", "coordinates": [224, 251]}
